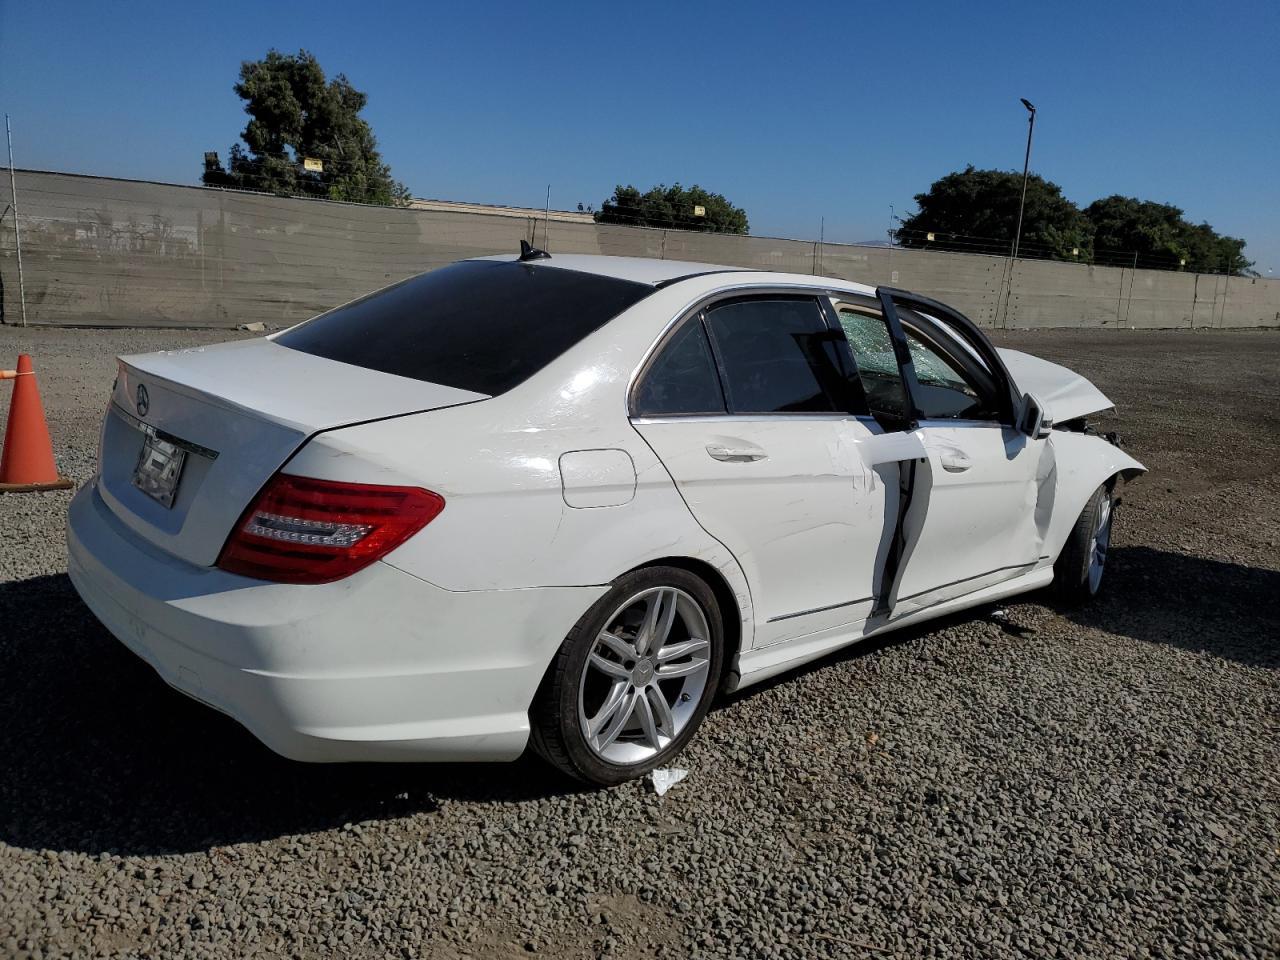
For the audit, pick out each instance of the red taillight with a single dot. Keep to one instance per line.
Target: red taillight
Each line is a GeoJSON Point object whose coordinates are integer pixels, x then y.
{"type": "Point", "coordinates": [300, 530]}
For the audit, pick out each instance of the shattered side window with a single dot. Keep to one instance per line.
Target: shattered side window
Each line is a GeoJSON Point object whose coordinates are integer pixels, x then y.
{"type": "Point", "coordinates": [945, 392]}
{"type": "Point", "coordinates": [957, 341]}
{"type": "Point", "coordinates": [872, 349]}
{"type": "Point", "coordinates": [869, 339]}
{"type": "Point", "coordinates": [931, 368]}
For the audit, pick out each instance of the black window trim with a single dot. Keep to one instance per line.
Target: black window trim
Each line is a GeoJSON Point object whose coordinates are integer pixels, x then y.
{"type": "Point", "coordinates": [697, 313]}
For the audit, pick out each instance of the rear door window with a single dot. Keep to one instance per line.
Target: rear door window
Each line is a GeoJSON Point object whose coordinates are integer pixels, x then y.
{"type": "Point", "coordinates": [777, 355]}
{"type": "Point", "coordinates": [682, 381]}
{"type": "Point", "coordinates": [479, 325]}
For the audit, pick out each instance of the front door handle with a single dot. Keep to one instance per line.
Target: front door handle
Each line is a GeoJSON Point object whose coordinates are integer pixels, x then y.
{"type": "Point", "coordinates": [736, 452]}
{"type": "Point", "coordinates": [955, 461]}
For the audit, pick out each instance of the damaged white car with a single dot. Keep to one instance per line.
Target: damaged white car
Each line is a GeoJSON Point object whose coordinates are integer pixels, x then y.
{"type": "Point", "coordinates": [563, 501]}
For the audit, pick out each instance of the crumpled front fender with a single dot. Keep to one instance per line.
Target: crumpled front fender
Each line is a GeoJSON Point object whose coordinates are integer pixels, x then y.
{"type": "Point", "coordinates": [1076, 464]}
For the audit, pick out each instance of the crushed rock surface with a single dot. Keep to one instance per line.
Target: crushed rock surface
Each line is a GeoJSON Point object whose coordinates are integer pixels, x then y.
{"type": "Point", "coordinates": [1046, 783]}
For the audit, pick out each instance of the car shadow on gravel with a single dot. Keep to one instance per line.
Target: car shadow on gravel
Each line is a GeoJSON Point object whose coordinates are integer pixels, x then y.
{"type": "Point", "coordinates": [1203, 606]}
{"type": "Point", "coordinates": [99, 755]}
{"type": "Point", "coordinates": [1156, 596]}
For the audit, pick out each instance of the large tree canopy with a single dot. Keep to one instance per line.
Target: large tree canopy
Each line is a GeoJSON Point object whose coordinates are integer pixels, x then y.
{"type": "Point", "coordinates": [673, 206]}
{"type": "Point", "coordinates": [977, 211]}
{"type": "Point", "coordinates": [295, 114]}
{"type": "Point", "coordinates": [1162, 237]}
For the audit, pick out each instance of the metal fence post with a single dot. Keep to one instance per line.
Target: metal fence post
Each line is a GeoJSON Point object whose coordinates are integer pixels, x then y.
{"type": "Point", "coordinates": [1133, 278]}
{"type": "Point", "coordinates": [1120, 298]}
{"type": "Point", "coordinates": [17, 226]}
{"type": "Point", "coordinates": [1001, 318]}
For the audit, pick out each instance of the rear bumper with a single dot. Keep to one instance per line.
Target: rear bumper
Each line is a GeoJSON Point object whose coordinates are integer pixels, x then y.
{"type": "Point", "coordinates": [379, 666]}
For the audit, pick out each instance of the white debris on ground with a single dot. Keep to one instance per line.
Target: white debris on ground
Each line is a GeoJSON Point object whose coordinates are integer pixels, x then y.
{"type": "Point", "coordinates": [665, 779]}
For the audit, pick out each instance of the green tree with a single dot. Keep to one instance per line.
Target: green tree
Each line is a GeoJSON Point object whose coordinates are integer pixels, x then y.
{"type": "Point", "coordinates": [295, 114]}
{"type": "Point", "coordinates": [672, 207]}
{"type": "Point", "coordinates": [977, 211]}
{"type": "Point", "coordinates": [1161, 237]}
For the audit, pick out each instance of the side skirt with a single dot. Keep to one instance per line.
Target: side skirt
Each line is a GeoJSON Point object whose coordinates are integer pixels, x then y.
{"type": "Point", "coordinates": [757, 665]}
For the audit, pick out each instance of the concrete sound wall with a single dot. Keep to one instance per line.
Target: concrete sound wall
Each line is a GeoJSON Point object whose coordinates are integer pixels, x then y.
{"type": "Point", "coordinates": [98, 251]}
{"type": "Point", "coordinates": [121, 252]}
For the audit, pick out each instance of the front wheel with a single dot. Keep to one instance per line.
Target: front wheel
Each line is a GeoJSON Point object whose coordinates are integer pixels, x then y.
{"type": "Point", "coordinates": [633, 679]}
{"type": "Point", "coordinates": [1077, 575]}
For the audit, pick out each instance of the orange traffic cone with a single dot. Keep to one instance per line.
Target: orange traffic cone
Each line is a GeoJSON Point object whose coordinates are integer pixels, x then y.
{"type": "Point", "coordinates": [26, 462]}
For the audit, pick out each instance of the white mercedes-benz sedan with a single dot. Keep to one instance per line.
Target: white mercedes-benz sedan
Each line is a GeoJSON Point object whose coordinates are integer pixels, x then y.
{"type": "Point", "coordinates": [564, 500]}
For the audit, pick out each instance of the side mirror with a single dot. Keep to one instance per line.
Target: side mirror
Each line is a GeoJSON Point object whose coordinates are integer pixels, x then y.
{"type": "Point", "coordinates": [1033, 421]}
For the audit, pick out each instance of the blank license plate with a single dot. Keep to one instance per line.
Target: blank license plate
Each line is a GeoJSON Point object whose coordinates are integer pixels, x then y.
{"type": "Point", "coordinates": [159, 469]}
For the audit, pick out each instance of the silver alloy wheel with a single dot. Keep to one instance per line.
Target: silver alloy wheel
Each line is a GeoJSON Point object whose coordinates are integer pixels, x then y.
{"type": "Point", "coordinates": [645, 675]}
{"type": "Point", "coordinates": [1099, 543]}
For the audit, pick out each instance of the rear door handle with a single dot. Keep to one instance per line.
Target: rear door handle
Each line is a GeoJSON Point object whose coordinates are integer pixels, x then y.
{"type": "Point", "coordinates": [955, 461]}
{"type": "Point", "coordinates": [735, 453]}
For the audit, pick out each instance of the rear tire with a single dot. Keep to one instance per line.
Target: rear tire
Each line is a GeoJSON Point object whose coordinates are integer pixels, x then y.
{"type": "Point", "coordinates": [1080, 566]}
{"type": "Point", "coordinates": [633, 679]}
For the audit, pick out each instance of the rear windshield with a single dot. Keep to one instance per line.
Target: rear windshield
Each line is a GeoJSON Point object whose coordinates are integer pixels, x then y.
{"type": "Point", "coordinates": [480, 325]}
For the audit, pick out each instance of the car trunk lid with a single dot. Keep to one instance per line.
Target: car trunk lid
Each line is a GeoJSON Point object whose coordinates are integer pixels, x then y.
{"type": "Point", "coordinates": [237, 412]}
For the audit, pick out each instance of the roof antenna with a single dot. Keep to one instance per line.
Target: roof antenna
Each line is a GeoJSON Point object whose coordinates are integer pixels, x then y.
{"type": "Point", "coordinates": [528, 252]}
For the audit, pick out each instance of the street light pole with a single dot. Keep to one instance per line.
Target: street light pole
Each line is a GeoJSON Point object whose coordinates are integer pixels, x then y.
{"type": "Point", "coordinates": [1026, 167]}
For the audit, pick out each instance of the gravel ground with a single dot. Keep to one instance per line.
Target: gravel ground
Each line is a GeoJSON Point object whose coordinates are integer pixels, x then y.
{"type": "Point", "coordinates": [1102, 783]}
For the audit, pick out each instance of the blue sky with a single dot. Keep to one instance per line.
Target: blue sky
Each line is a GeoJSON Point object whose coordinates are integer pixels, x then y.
{"type": "Point", "coordinates": [794, 111]}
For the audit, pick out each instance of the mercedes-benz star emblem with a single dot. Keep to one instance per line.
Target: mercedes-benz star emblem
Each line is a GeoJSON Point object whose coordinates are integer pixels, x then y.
{"type": "Point", "coordinates": [144, 401]}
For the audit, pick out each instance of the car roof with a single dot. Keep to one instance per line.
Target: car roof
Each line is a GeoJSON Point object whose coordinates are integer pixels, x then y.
{"type": "Point", "coordinates": [663, 273]}
{"type": "Point", "coordinates": [636, 269]}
